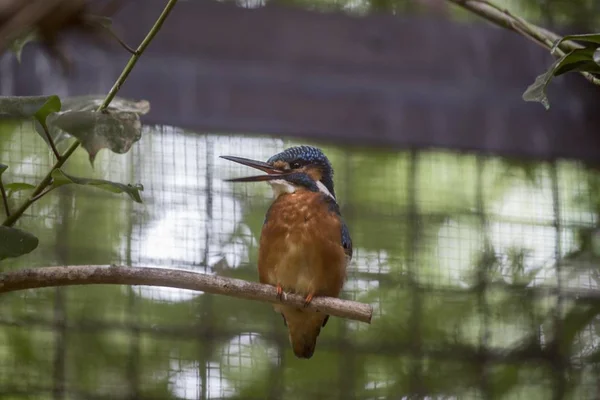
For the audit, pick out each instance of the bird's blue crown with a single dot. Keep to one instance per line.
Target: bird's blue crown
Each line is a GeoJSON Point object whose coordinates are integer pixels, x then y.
{"type": "Point", "coordinates": [300, 156]}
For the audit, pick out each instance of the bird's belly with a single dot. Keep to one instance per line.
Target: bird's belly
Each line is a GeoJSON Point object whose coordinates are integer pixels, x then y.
{"type": "Point", "coordinates": [296, 270]}
{"type": "Point", "coordinates": [304, 261]}
{"type": "Point", "coordinates": [301, 246]}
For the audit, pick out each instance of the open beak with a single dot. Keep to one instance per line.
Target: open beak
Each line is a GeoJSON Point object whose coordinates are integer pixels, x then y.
{"type": "Point", "coordinates": [273, 173]}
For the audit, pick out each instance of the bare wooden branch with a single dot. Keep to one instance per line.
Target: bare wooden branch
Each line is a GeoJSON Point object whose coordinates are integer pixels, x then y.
{"type": "Point", "coordinates": [175, 278]}
{"type": "Point", "coordinates": [505, 19]}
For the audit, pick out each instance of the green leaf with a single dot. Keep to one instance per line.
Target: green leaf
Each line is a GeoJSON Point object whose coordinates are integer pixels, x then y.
{"type": "Point", "coordinates": [38, 107]}
{"type": "Point", "coordinates": [596, 56]}
{"type": "Point", "coordinates": [117, 128]}
{"type": "Point", "coordinates": [576, 60]}
{"type": "Point", "coordinates": [96, 130]}
{"type": "Point", "coordinates": [14, 187]}
{"type": "Point", "coordinates": [22, 106]}
{"type": "Point", "coordinates": [60, 178]}
{"type": "Point", "coordinates": [93, 102]}
{"type": "Point", "coordinates": [593, 38]}
{"type": "Point", "coordinates": [504, 378]}
{"type": "Point", "coordinates": [15, 242]}
{"type": "Point", "coordinates": [52, 105]}
{"type": "Point", "coordinates": [594, 357]}
{"type": "Point", "coordinates": [575, 322]}
{"type": "Point", "coordinates": [537, 90]}
{"type": "Point", "coordinates": [17, 45]}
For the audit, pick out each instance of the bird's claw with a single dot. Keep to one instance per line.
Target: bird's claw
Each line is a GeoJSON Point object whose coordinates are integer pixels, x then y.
{"type": "Point", "coordinates": [279, 292]}
{"type": "Point", "coordinates": [308, 299]}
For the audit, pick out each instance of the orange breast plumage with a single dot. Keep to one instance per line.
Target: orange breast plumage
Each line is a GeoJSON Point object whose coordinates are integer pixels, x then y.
{"type": "Point", "coordinates": [301, 246]}
{"type": "Point", "coordinates": [301, 252]}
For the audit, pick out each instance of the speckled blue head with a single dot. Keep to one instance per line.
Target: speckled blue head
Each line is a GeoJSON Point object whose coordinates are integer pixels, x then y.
{"type": "Point", "coordinates": [301, 156]}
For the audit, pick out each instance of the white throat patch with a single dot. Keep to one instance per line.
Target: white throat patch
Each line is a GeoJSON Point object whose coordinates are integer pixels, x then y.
{"type": "Point", "coordinates": [324, 189]}
{"type": "Point", "coordinates": [281, 186]}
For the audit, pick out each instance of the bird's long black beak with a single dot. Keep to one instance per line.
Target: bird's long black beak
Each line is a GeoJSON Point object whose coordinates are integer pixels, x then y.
{"type": "Point", "coordinates": [273, 173]}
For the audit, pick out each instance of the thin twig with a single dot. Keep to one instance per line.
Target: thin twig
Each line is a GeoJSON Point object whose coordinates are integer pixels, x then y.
{"type": "Point", "coordinates": [591, 78]}
{"type": "Point", "coordinates": [10, 221]}
{"type": "Point", "coordinates": [175, 278]}
{"type": "Point", "coordinates": [541, 36]}
{"type": "Point", "coordinates": [4, 198]}
{"type": "Point", "coordinates": [523, 27]}
{"type": "Point", "coordinates": [39, 196]}
{"type": "Point", "coordinates": [50, 140]}
{"type": "Point", "coordinates": [120, 41]}
{"type": "Point", "coordinates": [134, 59]}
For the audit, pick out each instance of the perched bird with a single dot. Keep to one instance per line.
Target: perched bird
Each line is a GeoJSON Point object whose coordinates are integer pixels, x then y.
{"type": "Point", "coordinates": [305, 245]}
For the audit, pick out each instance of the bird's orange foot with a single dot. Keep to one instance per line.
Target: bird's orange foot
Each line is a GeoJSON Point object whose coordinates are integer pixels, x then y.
{"type": "Point", "coordinates": [308, 299]}
{"type": "Point", "coordinates": [279, 292]}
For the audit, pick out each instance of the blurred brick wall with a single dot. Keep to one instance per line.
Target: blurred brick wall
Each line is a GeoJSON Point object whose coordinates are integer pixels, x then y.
{"type": "Point", "coordinates": [378, 80]}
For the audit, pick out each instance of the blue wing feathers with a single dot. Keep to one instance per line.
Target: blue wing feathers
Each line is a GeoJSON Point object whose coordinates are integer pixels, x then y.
{"type": "Point", "coordinates": [346, 239]}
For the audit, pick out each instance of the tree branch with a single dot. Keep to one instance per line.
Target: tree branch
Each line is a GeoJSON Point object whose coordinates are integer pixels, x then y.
{"type": "Point", "coordinates": [503, 18]}
{"type": "Point", "coordinates": [10, 221]}
{"type": "Point", "coordinates": [181, 279]}
{"type": "Point", "coordinates": [4, 198]}
{"type": "Point", "coordinates": [137, 54]}
{"type": "Point", "coordinates": [50, 140]}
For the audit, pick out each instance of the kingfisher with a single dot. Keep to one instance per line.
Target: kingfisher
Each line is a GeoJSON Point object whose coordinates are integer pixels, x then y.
{"type": "Point", "coordinates": [305, 246]}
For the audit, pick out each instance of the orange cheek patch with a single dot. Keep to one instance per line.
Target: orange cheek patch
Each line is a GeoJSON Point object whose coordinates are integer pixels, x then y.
{"type": "Point", "coordinates": [314, 173]}
{"type": "Point", "coordinates": [281, 165]}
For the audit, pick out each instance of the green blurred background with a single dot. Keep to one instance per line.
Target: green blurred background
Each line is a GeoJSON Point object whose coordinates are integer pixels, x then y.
{"type": "Point", "coordinates": [482, 271]}
{"type": "Point", "coordinates": [448, 250]}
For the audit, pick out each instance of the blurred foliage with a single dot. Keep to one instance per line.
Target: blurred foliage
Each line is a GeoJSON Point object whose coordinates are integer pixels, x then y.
{"type": "Point", "coordinates": [581, 14]}
{"type": "Point", "coordinates": [448, 248]}
{"type": "Point", "coordinates": [585, 60]}
{"type": "Point", "coordinates": [46, 21]}
{"type": "Point", "coordinates": [117, 128]}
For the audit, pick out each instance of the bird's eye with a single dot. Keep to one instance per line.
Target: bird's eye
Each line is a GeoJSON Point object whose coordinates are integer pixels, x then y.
{"type": "Point", "coordinates": [294, 165]}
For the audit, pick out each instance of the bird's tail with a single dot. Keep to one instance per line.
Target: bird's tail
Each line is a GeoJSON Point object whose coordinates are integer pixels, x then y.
{"type": "Point", "coordinates": [304, 327]}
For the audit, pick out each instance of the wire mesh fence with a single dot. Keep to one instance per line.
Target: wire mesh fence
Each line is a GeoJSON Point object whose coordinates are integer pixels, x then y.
{"type": "Point", "coordinates": [482, 273]}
